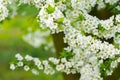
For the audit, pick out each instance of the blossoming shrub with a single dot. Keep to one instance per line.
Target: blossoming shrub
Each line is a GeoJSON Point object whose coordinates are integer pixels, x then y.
{"type": "Point", "coordinates": [89, 51]}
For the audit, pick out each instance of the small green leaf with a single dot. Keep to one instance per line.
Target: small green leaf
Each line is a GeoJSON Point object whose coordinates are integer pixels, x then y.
{"type": "Point", "coordinates": [101, 28]}
{"type": "Point", "coordinates": [56, 1]}
{"type": "Point", "coordinates": [70, 7]}
{"type": "Point", "coordinates": [65, 1]}
{"type": "Point", "coordinates": [73, 24]}
{"type": "Point", "coordinates": [50, 9]}
{"type": "Point", "coordinates": [106, 66]}
{"type": "Point", "coordinates": [117, 34]}
{"type": "Point", "coordinates": [115, 11]}
{"type": "Point", "coordinates": [80, 17]}
{"type": "Point", "coordinates": [60, 27]}
{"type": "Point", "coordinates": [66, 54]}
{"type": "Point", "coordinates": [112, 8]}
{"type": "Point", "coordinates": [60, 20]}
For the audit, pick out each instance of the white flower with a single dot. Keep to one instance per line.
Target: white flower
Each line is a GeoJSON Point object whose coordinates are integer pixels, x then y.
{"type": "Point", "coordinates": [68, 65]}
{"type": "Point", "coordinates": [57, 14]}
{"type": "Point", "coordinates": [3, 12]}
{"type": "Point", "coordinates": [54, 60]}
{"type": "Point", "coordinates": [46, 71]}
{"type": "Point", "coordinates": [37, 61]}
{"type": "Point", "coordinates": [118, 59]}
{"type": "Point", "coordinates": [109, 72]}
{"type": "Point", "coordinates": [40, 67]}
{"type": "Point", "coordinates": [63, 60]}
{"type": "Point", "coordinates": [45, 62]}
{"type": "Point", "coordinates": [34, 71]}
{"type": "Point", "coordinates": [52, 71]}
{"type": "Point", "coordinates": [19, 57]}
{"type": "Point", "coordinates": [51, 2]}
{"type": "Point", "coordinates": [28, 57]}
{"type": "Point", "coordinates": [114, 64]}
{"type": "Point", "coordinates": [25, 1]}
{"type": "Point", "coordinates": [60, 67]}
{"type": "Point", "coordinates": [12, 67]}
{"type": "Point", "coordinates": [80, 63]}
{"type": "Point", "coordinates": [26, 68]}
{"type": "Point", "coordinates": [20, 64]}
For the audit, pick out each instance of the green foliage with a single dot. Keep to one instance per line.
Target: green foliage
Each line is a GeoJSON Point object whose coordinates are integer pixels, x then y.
{"type": "Point", "coordinates": [106, 66]}
{"type": "Point", "coordinates": [60, 20]}
{"type": "Point", "coordinates": [60, 26]}
{"type": "Point", "coordinates": [28, 10]}
{"type": "Point", "coordinates": [80, 18]}
{"type": "Point", "coordinates": [73, 24]}
{"type": "Point", "coordinates": [101, 28]}
{"type": "Point", "coordinates": [66, 54]}
{"type": "Point", "coordinates": [113, 9]}
{"type": "Point", "coordinates": [117, 34]}
{"type": "Point", "coordinates": [50, 9]}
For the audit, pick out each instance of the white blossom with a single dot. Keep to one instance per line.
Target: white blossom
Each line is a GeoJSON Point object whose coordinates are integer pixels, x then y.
{"type": "Point", "coordinates": [34, 71]}
{"type": "Point", "coordinates": [60, 67]}
{"type": "Point", "coordinates": [28, 57]}
{"type": "Point", "coordinates": [19, 57]}
{"type": "Point", "coordinates": [12, 67]}
{"type": "Point", "coordinates": [26, 68]}
{"type": "Point", "coordinates": [3, 12]}
{"type": "Point", "coordinates": [20, 64]}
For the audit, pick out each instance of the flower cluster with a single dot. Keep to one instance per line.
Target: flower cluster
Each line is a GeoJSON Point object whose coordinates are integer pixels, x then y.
{"type": "Point", "coordinates": [49, 66]}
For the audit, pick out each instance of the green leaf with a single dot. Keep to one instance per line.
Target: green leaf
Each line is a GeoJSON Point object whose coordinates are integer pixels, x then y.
{"type": "Point", "coordinates": [70, 7]}
{"type": "Point", "coordinates": [115, 11]}
{"type": "Point", "coordinates": [60, 27]}
{"type": "Point", "coordinates": [66, 54]}
{"type": "Point", "coordinates": [117, 34]}
{"type": "Point", "coordinates": [80, 17]}
{"type": "Point", "coordinates": [112, 8]}
{"type": "Point", "coordinates": [56, 1]}
{"type": "Point", "coordinates": [50, 9]}
{"type": "Point", "coordinates": [106, 66]}
{"type": "Point", "coordinates": [60, 20]}
{"type": "Point", "coordinates": [65, 1]}
{"type": "Point", "coordinates": [101, 28]}
{"type": "Point", "coordinates": [73, 24]}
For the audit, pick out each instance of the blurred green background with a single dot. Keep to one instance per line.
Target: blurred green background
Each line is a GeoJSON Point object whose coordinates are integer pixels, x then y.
{"type": "Point", "coordinates": [11, 42]}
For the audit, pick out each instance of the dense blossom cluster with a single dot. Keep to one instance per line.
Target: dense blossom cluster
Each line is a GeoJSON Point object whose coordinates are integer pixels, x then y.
{"type": "Point", "coordinates": [86, 36]}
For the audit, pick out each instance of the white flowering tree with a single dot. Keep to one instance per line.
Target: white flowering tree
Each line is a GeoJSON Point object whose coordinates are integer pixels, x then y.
{"type": "Point", "coordinates": [86, 34]}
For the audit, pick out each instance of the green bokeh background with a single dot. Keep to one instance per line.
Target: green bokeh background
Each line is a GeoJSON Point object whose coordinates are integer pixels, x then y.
{"type": "Point", "coordinates": [11, 32]}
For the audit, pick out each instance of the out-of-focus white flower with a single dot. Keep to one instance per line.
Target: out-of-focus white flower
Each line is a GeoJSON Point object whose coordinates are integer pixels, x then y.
{"type": "Point", "coordinates": [20, 64]}
{"type": "Point", "coordinates": [34, 71]}
{"type": "Point", "coordinates": [54, 60]}
{"type": "Point", "coordinates": [45, 62]}
{"type": "Point", "coordinates": [28, 57]}
{"type": "Point", "coordinates": [12, 67]}
{"type": "Point", "coordinates": [37, 61]}
{"type": "Point", "coordinates": [60, 67]}
{"type": "Point", "coordinates": [19, 57]}
{"type": "Point", "coordinates": [26, 68]}
{"type": "Point", "coordinates": [3, 12]}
